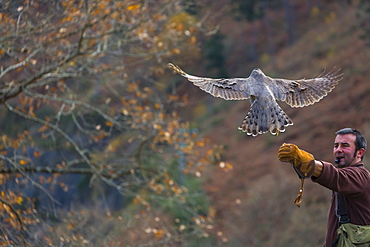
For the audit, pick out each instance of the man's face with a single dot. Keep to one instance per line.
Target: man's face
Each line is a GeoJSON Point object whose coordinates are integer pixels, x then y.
{"type": "Point", "coordinates": [344, 150]}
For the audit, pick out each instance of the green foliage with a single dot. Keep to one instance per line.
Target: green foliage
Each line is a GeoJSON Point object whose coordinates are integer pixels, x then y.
{"type": "Point", "coordinates": [248, 10]}
{"type": "Point", "coordinates": [364, 16]}
{"type": "Point", "coordinates": [191, 6]}
{"type": "Point", "coordinates": [215, 55]}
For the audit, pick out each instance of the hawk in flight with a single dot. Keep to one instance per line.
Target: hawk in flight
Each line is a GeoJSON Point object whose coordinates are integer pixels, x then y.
{"type": "Point", "coordinates": [265, 114]}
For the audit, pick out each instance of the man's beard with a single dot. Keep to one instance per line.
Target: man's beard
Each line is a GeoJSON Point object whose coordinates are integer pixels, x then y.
{"type": "Point", "coordinates": [337, 161]}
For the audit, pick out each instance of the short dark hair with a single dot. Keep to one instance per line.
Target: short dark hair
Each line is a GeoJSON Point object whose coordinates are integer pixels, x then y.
{"type": "Point", "coordinates": [360, 138]}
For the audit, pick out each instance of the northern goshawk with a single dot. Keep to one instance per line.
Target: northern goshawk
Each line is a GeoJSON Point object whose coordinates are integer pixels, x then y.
{"type": "Point", "coordinates": [265, 114]}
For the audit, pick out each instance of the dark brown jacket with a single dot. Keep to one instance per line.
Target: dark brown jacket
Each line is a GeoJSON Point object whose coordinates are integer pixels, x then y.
{"type": "Point", "coordinates": [354, 183]}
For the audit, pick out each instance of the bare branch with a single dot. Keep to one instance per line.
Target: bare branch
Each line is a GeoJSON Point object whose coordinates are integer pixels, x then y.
{"type": "Point", "coordinates": [17, 65]}
{"type": "Point", "coordinates": [118, 124]}
{"type": "Point", "coordinates": [19, 169]}
{"type": "Point", "coordinates": [56, 129]}
{"type": "Point", "coordinates": [22, 226]}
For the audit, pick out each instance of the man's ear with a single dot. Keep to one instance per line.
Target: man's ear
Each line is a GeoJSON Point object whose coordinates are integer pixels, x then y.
{"type": "Point", "coordinates": [360, 152]}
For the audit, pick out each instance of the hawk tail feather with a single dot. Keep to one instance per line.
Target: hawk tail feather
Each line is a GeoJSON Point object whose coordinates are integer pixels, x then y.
{"type": "Point", "coordinates": [261, 119]}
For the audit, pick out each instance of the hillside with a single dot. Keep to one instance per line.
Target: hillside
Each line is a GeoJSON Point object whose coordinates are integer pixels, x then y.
{"type": "Point", "coordinates": [253, 199]}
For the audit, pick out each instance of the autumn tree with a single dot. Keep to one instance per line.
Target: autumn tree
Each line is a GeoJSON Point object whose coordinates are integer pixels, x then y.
{"type": "Point", "coordinates": [80, 95]}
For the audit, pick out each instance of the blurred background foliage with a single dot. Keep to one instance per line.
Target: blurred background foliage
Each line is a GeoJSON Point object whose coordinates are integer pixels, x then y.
{"type": "Point", "coordinates": [102, 145]}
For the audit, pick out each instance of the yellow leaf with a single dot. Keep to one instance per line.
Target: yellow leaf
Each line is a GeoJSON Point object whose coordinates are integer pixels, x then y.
{"type": "Point", "coordinates": [176, 51]}
{"type": "Point", "coordinates": [68, 18]}
{"type": "Point", "coordinates": [36, 154]}
{"type": "Point", "coordinates": [136, 200]}
{"type": "Point", "coordinates": [193, 40]}
{"type": "Point", "coordinates": [42, 128]}
{"type": "Point", "coordinates": [225, 166]}
{"type": "Point", "coordinates": [115, 15]}
{"type": "Point", "coordinates": [19, 200]}
{"type": "Point", "coordinates": [133, 7]}
{"type": "Point", "coordinates": [22, 162]}
{"type": "Point", "coordinates": [200, 143]}
{"type": "Point", "coordinates": [159, 233]}
{"type": "Point", "coordinates": [180, 27]}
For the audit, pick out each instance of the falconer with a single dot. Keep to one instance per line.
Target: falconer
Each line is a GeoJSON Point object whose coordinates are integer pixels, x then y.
{"type": "Point", "coordinates": [349, 212]}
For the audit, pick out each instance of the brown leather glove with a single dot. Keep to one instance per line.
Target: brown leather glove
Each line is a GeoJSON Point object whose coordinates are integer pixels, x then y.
{"type": "Point", "coordinates": [302, 161]}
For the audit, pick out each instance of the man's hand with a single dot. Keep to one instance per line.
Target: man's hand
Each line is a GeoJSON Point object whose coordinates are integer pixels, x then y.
{"type": "Point", "coordinates": [303, 162]}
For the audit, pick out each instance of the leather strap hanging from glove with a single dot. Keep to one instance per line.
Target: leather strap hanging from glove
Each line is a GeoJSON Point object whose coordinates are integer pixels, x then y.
{"type": "Point", "coordinates": [302, 162]}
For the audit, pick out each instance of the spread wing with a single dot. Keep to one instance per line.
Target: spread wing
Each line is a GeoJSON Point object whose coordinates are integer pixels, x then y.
{"type": "Point", "coordinates": [304, 92]}
{"type": "Point", "coordinates": [229, 89]}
